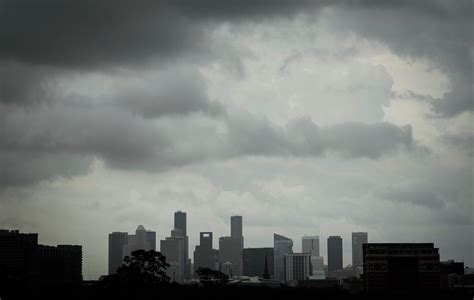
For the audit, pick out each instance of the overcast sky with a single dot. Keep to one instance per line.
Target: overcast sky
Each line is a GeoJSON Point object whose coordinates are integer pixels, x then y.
{"type": "Point", "coordinates": [304, 117]}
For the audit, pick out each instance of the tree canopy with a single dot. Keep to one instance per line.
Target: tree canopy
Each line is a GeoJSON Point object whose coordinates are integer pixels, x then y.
{"type": "Point", "coordinates": [142, 268]}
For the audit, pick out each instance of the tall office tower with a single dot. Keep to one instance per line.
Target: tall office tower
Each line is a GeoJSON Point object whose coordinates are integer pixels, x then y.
{"type": "Point", "coordinates": [151, 240]}
{"type": "Point", "coordinates": [236, 233]}
{"type": "Point", "coordinates": [334, 254]}
{"type": "Point", "coordinates": [281, 246]}
{"type": "Point", "coordinates": [236, 226]}
{"type": "Point", "coordinates": [230, 253]}
{"type": "Point", "coordinates": [173, 249]}
{"type": "Point", "coordinates": [297, 266]}
{"type": "Point", "coordinates": [181, 223]}
{"type": "Point", "coordinates": [310, 244]}
{"type": "Point", "coordinates": [401, 267]}
{"type": "Point", "coordinates": [204, 255]}
{"type": "Point", "coordinates": [117, 240]}
{"type": "Point", "coordinates": [258, 262]}
{"type": "Point", "coordinates": [141, 240]}
{"type": "Point", "coordinates": [358, 239]}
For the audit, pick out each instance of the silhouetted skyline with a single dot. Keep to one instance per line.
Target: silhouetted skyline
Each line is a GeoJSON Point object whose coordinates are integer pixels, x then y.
{"type": "Point", "coordinates": [304, 117]}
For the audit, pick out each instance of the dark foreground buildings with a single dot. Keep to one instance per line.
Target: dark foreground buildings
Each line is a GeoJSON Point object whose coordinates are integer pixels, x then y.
{"type": "Point", "coordinates": [401, 267]}
{"type": "Point", "coordinates": [35, 264]}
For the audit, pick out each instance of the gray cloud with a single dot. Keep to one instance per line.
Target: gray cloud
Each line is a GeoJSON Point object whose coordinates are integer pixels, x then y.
{"type": "Point", "coordinates": [175, 93]}
{"type": "Point", "coordinates": [437, 31]}
{"type": "Point", "coordinates": [21, 84]}
{"type": "Point", "coordinates": [96, 34]}
{"type": "Point", "coordinates": [50, 135]}
{"type": "Point", "coordinates": [302, 137]}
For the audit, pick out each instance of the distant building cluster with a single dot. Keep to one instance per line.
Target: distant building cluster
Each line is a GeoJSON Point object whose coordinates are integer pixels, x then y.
{"type": "Point", "coordinates": [375, 267]}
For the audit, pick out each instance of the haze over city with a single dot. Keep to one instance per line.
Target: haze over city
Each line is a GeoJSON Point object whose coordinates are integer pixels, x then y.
{"type": "Point", "coordinates": [304, 117]}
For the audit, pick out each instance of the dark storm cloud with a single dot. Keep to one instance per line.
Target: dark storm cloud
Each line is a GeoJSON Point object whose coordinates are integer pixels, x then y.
{"type": "Point", "coordinates": [93, 33]}
{"type": "Point", "coordinates": [44, 40]}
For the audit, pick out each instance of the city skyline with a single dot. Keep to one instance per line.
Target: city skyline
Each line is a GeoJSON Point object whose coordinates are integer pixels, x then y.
{"type": "Point", "coordinates": [347, 248]}
{"type": "Point", "coordinates": [304, 117]}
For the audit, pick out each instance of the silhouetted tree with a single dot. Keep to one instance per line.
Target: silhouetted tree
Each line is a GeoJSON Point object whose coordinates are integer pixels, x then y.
{"type": "Point", "coordinates": [207, 276]}
{"type": "Point", "coordinates": [142, 268]}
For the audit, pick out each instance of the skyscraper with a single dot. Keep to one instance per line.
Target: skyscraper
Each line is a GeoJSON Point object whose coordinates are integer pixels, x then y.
{"type": "Point", "coordinates": [231, 247]}
{"type": "Point", "coordinates": [236, 226]}
{"type": "Point", "coordinates": [151, 240]}
{"type": "Point", "coordinates": [173, 249]}
{"type": "Point", "coordinates": [236, 233]}
{"type": "Point", "coordinates": [181, 223]}
{"type": "Point", "coordinates": [334, 253]}
{"type": "Point", "coordinates": [310, 244]}
{"type": "Point", "coordinates": [358, 239]}
{"type": "Point", "coordinates": [281, 246]}
{"type": "Point", "coordinates": [230, 253]}
{"type": "Point", "coordinates": [258, 262]}
{"type": "Point", "coordinates": [204, 255]}
{"type": "Point", "coordinates": [122, 244]}
{"type": "Point", "coordinates": [297, 266]}
{"type": "Point", "coordinates": [117, 240]}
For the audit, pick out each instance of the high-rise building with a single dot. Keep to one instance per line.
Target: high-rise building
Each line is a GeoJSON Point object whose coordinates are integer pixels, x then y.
{"type": "Point", "coordinates": [358, 239]}
{"type": "Point", "coordinates": [173, 250]}
{"type": "Point", "coordinates": [204, 255]}
{"type": "Point", "coordinates": [230, 253]}
{"type": "Point", "coordinates": [151, 240]}
{"type": "Point", "coordinates": [117, 240]}
{"type": "Point", "coordinates": [281, 246]}
{"type": "Point", "coordinates": [231, 247]}
{"type": "Point", "coordinates": [398, 267]}
{"type": "Point", "coordinates": [258, 262]}
{"type": "Point", "coordinates": [236, 233]}
{"type": "Point", "coordinates": [236, 226]}
{"type": "Point", "coordinates": [122, 244]}
{"type": "Point", "coordinates": [180, 222]}
{"type": "Point", "coordinates": [334, 254]}
{"type": "Point", "coordinates": [297, 266]}
{"type": "Point", "coordinates": [310, 244]}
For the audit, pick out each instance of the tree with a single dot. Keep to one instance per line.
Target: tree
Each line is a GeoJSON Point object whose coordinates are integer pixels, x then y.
{"type": "Point", "coordinates": [142, 268]}
{"type": "Point", "coordinates": [209, 276]}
